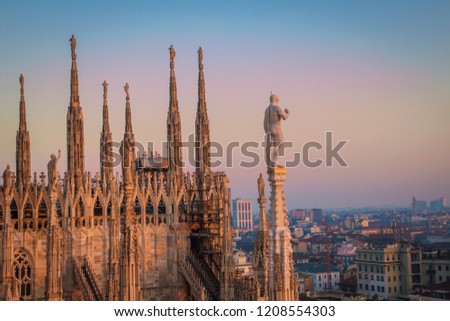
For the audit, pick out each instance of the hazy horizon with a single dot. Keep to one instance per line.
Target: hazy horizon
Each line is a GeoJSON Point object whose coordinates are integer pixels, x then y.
{"type": "Point", "coordinates": [376, 74]}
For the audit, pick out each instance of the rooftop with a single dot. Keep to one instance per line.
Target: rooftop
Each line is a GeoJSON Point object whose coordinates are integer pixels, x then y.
{"type": "Point", "coordinates": [314, 268]}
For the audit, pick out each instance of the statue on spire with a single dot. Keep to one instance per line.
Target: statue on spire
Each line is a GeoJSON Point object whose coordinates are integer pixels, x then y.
{"type": "Point", "coordinates": [172, 54]}
{"type": "Point", "coordinates": [105, 89]}
{"type": "Point", "coordinates": [7, 179]}
{"type": "Point", "coordinates": [200, 57]}
{"type": "Point", "coordinates": [274, 134]}
{"type": "Point", "coordinates": [261, 186]}
{"type": "Point", "coordinates": [127, 87]}
{"type": "Point", "coordinates": [21, 81]}
{"type": "Point", "coordinates": [53, 173]}
{"type": "Point", "coordinates": [73, 45]}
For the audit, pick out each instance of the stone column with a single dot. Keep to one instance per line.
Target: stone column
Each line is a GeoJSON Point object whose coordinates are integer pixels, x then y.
{"type": "Point", "coordinates": [54, 279]}
{"type": "Point", "coordinates": [281, 276]}
{"type": "Point", "coordinates": [260, 254]}
{"type": "Point", "coordinates": [130, 279]}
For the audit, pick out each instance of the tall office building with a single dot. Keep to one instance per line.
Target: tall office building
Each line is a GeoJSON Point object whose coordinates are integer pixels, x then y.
{"type": "Point", "coordinates": [242, 214]}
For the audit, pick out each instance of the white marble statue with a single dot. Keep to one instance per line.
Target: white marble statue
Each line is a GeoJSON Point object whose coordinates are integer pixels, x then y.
{"type": "Point", "coordinates": [274, 134]}
{"type": "Point", "coordinates": [53, 174]}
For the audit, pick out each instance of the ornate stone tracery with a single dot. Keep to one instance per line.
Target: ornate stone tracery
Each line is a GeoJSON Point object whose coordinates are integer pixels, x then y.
{"type": "Point", "coordinates": [158, 233]}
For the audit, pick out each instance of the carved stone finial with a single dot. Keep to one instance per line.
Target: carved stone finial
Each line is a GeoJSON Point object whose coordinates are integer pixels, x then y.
{"type": "Point", "coordinates": [172, 54]}
{"type": "Point", "coordinates": [127, 87]}
{"type": "Point", "coordinates": [105, 89]}
{"type": "Point", "coordinates": [200, 57]}
{"type": "Point", "coordinates": [21, 81]}
{"type": "Point", "coordinates": [73, 45]}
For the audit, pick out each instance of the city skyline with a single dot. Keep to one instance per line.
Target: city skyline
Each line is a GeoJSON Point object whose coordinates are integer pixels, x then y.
{"type": "Point", "coordinates": [385, 90]}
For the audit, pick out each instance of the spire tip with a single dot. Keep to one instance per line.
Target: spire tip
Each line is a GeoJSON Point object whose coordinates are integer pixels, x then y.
{"type": "Point", "coordinates": [200, 57]}
{"type": "Point", "coordinates": [21, 81]}
{"type": "Point", "coordinates": [73, 45]}
{"type": "Point", "coordinates": [105, 89]}
{"type": "Point", "coordinates": [126, 88]}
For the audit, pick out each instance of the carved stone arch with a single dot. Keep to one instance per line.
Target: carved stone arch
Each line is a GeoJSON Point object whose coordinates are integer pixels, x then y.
{"type": "Point", "coordinates": [149, 205]}
{"type": "Point", "coordinates": [79, 206]}
{"type": "Point", "coordinates": [137, 204]}
{"type": "Point", "coordinates": [136, 193]}
{"type": "Point", "coordinates": [95, 194]}
{"type": "Point", "coordinates": [194, 202]}
{"type": "Point", "coordinates": [148, 188]}
{"type": "Point", "coordinates": [109, 206]}
{"type": "Point", "coordinates": [42, 208]}
{"type": "Point", "coordinates": [43, 196]}
{"type": "Point", "coordinates": [162, 205]}
{"type": "Point", "coordinates": [182, 209]}
{"type": "Point", "coordinates": [149, 210]}
{"type": "Point", "coordinates": [181, 193]}
{"type": "Point", "coordinates": [103, 195]}
{"type": "Point", "coordinates": [14, 209]}
{"type": "Point", "coordinates": [28, 210]}
{"type": "Point", "coordinates": [80, 196]}
{"type": "Point", "coordinates": [28, 207]}
{"type": "Point", "coordinates": [98, 206]}
{"type": "Point", "coordinates": [60, 209]}
{"type": "Point", "coordinates": [23, 274]}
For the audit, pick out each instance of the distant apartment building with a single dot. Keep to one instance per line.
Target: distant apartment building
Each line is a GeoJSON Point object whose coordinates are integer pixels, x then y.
{"type": "Point", "coordinates": [305, 282]}
{"type": "Point", "coordinates": [436, 266]}
{"type": "Point", "coordinates": [388, 271]}
{"type": "Point", "coordinates": [242, 264]}
{"type": "Point", "coordinates": [438, 204]}
{"type": "Point", "coordinates": [319, 273]}
{"type": "Point", "coordinates": [242, 214]}
{"type": "Point", "coordinates": [313, 215]}
{"type": "Point", "coordinates": [300, 214]}
{"type": "Point", "coordinates": [345, 253]}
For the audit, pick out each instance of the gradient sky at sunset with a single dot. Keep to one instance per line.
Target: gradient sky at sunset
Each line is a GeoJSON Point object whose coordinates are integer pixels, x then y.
{"type": "Point", "coordinates": [375, 73]}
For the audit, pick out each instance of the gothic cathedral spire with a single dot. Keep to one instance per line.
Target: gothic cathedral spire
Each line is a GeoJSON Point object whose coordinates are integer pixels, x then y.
{"type": "Point", "coordinates": [127, 148]}
{"type": "Point", "coordinates": [129, 277]}
{"type": "Point", "coordinates": [106, 166]}
{"type": "Point", "coordinates": [174, 126]}
{"type": "Point", "coordinates": [75, 127]}
{"type": "Point", "coordinates": [23, 154]}
{"type": "Point", "coordinates": [202, 140]}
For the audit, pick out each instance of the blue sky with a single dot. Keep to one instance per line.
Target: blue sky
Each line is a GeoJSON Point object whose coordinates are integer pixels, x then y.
{"type": "Point", "coordinates": [376, 73]}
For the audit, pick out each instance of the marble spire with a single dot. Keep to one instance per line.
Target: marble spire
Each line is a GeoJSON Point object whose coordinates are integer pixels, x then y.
{"type": "Point", "coordinates": [106, 166]}
{"type": "Point", "coordinates": [202, 138]}
{"type": "Point", "coordinates": [74, 96]}
{"type": "Point", "coordinates": [23, 153]}
{"type": "Point", "coordinates": [75, 125]}
{"type": "Point", "coordinates": [128, 143]}
{"type": "Point", "coordinates": [174, 126]}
